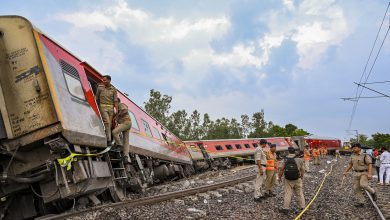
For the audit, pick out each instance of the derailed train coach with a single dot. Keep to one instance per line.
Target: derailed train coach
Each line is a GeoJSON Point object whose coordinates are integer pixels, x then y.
{"type": "Point", "coordinates": [225, 152]}
{"type": "Point", "coordinates": [52, 139]}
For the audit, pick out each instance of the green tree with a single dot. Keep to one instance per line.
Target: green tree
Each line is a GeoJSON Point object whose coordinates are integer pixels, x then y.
{"type": "Point", "coordinates": [259, 125]}
{"type": "Point", "coordinates": [277, 131]}
{"type": "Point", "coordinates": [381, 140]}
{"type": "Point", "coordinates": [195, 130]}
{"type": "Point", "coordinates": [245, 125]}
{"type": "Point", "coordinates": [179, 124]}
{"type": "Point", "coordinates": [300, 132]}
{"type": "Point", "coordinates": [206, 126]}
{"type": "Point", "coordinates": [158, 106]}
{"type": "Point", "coordinates": [235, 129]}
{"type": "Point", "coordinates": [220, 129]}
{"type": "Point", "coordinates": [290, 128]}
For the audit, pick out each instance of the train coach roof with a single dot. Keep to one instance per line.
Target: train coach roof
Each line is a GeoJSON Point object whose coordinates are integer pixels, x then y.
{"type": "Point", "coordinates": [247, 139]}
{"type": "Point", "coordinates": [321, 138]}
{"type": "Point", "coordinates": [86, 64]}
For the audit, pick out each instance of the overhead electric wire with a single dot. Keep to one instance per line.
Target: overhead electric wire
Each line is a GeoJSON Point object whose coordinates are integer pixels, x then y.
{"type": "Point", "coordinates": [373, 90]}
{"type": "Point", "coordinates": [363, 97]}
{"type": "Point", "coordinates": [365, 67]}
{"type": "Point", "coordinates": [376, 82]}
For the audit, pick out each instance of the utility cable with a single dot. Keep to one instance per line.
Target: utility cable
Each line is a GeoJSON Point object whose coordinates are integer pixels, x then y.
{"type": "Point", "coordinates": [365, 68]}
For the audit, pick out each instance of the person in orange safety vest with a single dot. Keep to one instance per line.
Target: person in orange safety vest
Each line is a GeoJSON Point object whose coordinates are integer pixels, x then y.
{"type": "Point", "coordinates": [306, 158]}
{"type": "Point", "coordinates": [271, 170]}
{"type": "Point", "coordinates": [316, 155]}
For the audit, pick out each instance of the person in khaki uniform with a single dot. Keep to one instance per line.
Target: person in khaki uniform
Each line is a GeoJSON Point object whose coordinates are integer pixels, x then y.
{"type": "Point", "coordinates": [260, 160]}
{"type": "Point", "coordinates": [362, 173]}
{"type": "Point", "coordinates": [316, 155]}
{"type": "Point", "coordinates": [124, 124]}
{"type": "Point", "coordinates": [293, 182]}
{"type": "Point", "coordinates": [271, 170]}
{"type": "Point", "coordinates": [106, 98]}
{"type": "Point", "coordinates": [306, 158]}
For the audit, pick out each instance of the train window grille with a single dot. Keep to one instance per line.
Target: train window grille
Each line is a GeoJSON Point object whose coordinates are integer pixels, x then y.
{"type": "Point", "coordinates": [238, 146]}
{"type": "Point", "coordinates": [247, 146]}
{"type": "Point", "coordinates": [156, 133]}
{"type": "Point", "coordinates": [134, 123]}
{"type": "Point", "coordinates": [72, 79]}
{"type": "Point", "coordinates": [218, 147]}
{"type": "Point", "coordinates": [229, 147]}
{"type": "Point", "coordinates": [254, 145]}
{"type": "Point", "coordinates": [147, 128]}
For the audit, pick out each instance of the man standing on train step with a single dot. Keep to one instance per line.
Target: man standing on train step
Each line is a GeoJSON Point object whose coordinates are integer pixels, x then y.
{"type": "Point", "coordinates": [261, 161]}
{"type": "Point", "coordinates": [306, 158]}
{"type": "Point", "coordinates": [316, 155]}
{"type": "Point", "coordinates": [124, 125]}
{"type": "Point", "coordinates": [271, 170]}
{"type": "Point", "coordinates": [107, 100]}
{"type": "Point", "coordinates": [293, 171]}
{"type": "Point", "coordinates": [361, 164]}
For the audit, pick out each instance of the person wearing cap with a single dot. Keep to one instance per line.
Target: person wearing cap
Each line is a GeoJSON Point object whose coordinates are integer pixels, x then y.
{"type": "Point", "coordinates": [106, 97]}
{"type": "Point", "coordinates": [316, 155]}
{"type": "Point", "coordinates": [261, 160]}
{"type": "Point", "coordinates": [271, 170]}
{"type": "Point", "coordinates": [361, 165]}
{"type": "Point", "coordinates": [293, 170]}
{"type": "Point", "coordinates": [306, 158]}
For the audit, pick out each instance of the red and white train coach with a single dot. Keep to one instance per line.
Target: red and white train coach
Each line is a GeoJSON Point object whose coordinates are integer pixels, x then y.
{"type": "Point", "coordinates": [49, 113]}
{"type": "Point", "coordinates": [329, 143]}
{"type": "Point", "coordinates": [216, 153]}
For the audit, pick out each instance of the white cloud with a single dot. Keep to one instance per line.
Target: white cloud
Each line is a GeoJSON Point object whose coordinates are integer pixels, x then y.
{"type": "Point", "coordinates": [289, 4]}
{"type": "Point", "coordinates": [313, 25]}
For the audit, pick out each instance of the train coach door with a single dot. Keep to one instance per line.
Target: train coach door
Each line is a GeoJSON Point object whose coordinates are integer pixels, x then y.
{"type": "Point", "coordinates": [203, 150]}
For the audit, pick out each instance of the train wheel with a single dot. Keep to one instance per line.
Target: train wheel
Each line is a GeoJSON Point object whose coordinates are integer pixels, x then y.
{"type": "Point", "coordinates": [64, 205]}
{"type": "Point", "coordinates": [228, 164]}
{"type": "Point", "coordinates": [118, 192]}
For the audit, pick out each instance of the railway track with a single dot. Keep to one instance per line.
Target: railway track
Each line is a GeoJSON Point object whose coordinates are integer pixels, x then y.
{"type": "Point", "coordinates": [382, 205]}
{"type": "Point", "coordinates": [153, 199]}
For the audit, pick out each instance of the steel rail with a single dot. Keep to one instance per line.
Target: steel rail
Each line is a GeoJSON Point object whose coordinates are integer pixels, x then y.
{"type": "Point", "coordinates": [153, 199]}
{"type": "Point", "coordinates": [375, 206]}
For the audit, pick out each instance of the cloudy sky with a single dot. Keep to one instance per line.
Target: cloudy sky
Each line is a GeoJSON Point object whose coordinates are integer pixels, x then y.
{"type": "Point", "coordinates": [294, 59]}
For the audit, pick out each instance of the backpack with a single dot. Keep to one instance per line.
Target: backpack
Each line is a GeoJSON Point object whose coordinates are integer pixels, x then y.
{"type": "Point", "coordinates": [291, 171]}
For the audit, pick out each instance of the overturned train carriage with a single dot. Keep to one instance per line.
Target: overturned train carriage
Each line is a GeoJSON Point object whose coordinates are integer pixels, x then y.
{"type": "Point", "coordinates": [48, 112]}
{"type": "Point", "coordinates": [225, 152]}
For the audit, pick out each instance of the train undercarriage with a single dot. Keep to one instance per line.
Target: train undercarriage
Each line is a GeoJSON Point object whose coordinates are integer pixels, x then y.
{"type": "Point", "coordinates": [33, 182]}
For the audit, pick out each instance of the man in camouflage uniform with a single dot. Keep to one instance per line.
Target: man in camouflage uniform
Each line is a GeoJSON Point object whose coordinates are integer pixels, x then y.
{"type": "Point", "coordinates": [261, 161]}
{"type": "Point", "coordinates": [124, 125]}
{"type": "Point", "coordinates": [361, 164]}
{"type": "Point", "coordinates": [107, 100]}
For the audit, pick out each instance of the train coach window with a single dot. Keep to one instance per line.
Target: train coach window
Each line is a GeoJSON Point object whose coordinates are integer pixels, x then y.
{"type": "Point", "coordinates": [134, 123]}
{"type": "Point", "coordinates": [254, 145]}
{"type": "Point", "coordinates": [72, 79]}
{"type": "Point", "coordinates": [247, 146]}
{"type": "Point", "coordinates": [229, 147]}
{"type": "Point", "coordinates": [238, 146]}
{"type": "Point", "coordinates": [156, 133]}
{"type": "Point", "coordinates": [147, 128]}
{"type": "Point", "coordinates": [218, 147]}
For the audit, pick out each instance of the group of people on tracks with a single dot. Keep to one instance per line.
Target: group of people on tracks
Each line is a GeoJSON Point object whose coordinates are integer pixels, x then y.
{"type": "Point", "coordinates": [293, 169]}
